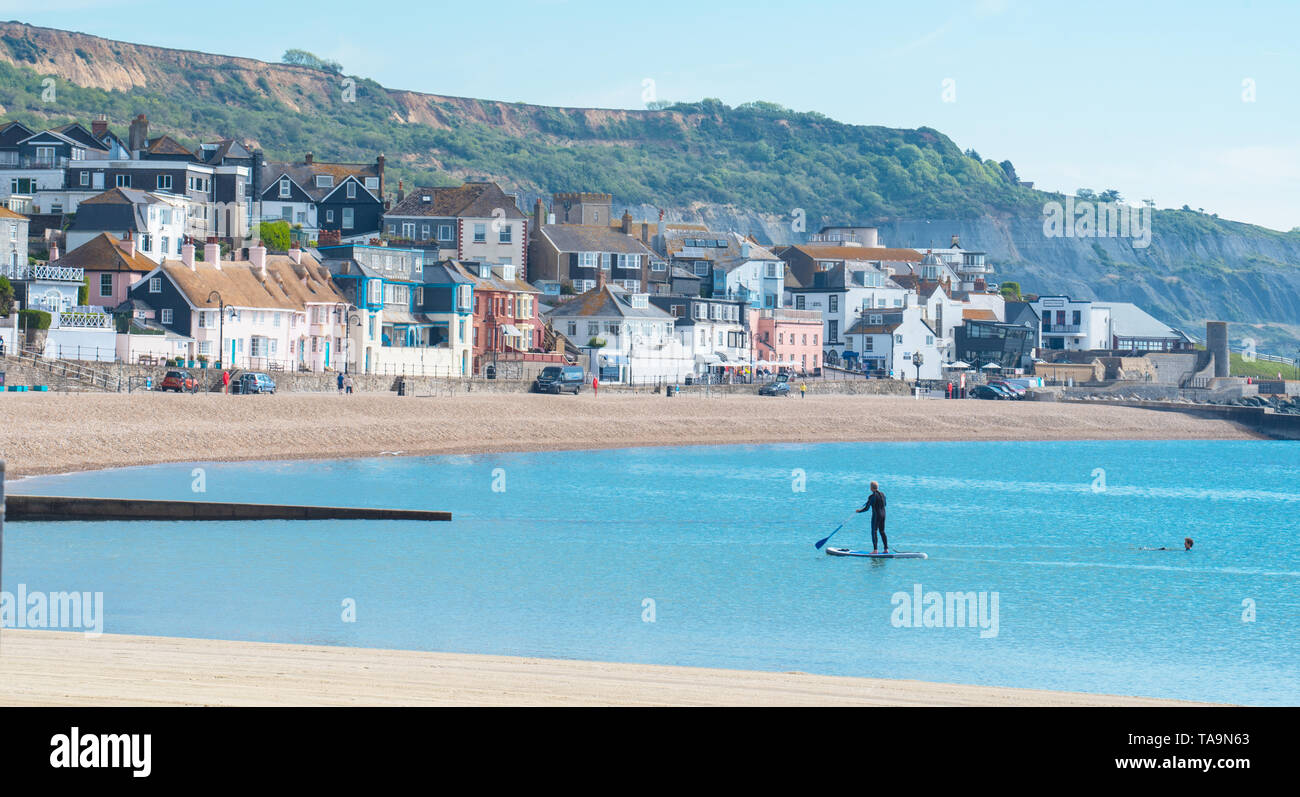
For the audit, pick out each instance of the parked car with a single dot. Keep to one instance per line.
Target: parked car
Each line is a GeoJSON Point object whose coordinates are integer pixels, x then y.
{"type": "Point", "coordinates": [179, 381]}
{"type": "Point", "coordinates": [1017, 390]}
{"type": "Point", "coordinates": [1004, 390]}
{"type": "Point", "coordinates": [986, 392]}
{"type": "Point", "coordinates": [256, 382]}
{"type": "Point", "coordinates": [560, 379]}
{"type": "Point", "coordinates": [778, 388]}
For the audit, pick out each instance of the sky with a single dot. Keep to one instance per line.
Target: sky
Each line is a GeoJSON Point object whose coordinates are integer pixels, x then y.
{"type": "Point", "coordinates": [1180, 102]}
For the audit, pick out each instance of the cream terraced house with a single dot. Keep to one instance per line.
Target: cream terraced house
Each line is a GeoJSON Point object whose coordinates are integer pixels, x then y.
{"type": "Point", "coordinates": [270, 312]}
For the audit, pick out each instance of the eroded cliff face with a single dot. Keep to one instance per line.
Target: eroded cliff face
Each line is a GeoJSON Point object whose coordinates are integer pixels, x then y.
{"type": "Point", "coordinates": [1194, 269]}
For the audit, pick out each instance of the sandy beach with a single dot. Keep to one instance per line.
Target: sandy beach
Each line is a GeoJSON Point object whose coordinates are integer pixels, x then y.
{"type": "Point", "coordinates": [76, 432]}
{"type": "Point", "coordinates": [48, 433]}
{"type": "Point", "coordinates": [52, 668]}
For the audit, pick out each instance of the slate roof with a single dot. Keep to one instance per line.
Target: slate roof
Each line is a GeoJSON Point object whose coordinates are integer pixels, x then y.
{"type": "Point", "coordinates": [226, 148]}
{"type": "Point", "coordinates": [496, 282]}
{"type": "Point", "coordinates": [470, 200]}
{"type": "Point", "coordinates": [304, 174]}
{"type": "Point", "coordinates": [891, 321]}
{"type": "Point", "coordinates": [593, 238]}
{"type": "Point", "coordinates": [603, 302]}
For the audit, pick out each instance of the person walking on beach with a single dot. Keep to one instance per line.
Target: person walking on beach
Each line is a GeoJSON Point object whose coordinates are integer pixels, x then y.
{"type": "Point", "coordinates": [347, 384]}
{"type": "Point", "coordinates": [340, 381]}
{"type": "Point", "coordinates": [225, 382]}
{"type": "Point", "coordinates": [595, 386]}
{"type": "Point", "coordinates": [803, 390]}
{"type": "Point", "coordinates": [876, 503]}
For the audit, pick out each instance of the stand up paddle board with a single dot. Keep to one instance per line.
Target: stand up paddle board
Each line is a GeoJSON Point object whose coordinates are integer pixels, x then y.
{"type": "Point", "coordinates": [870, 555]}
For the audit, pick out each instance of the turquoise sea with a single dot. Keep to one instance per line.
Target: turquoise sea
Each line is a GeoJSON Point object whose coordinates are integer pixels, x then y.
{"type": "Point", "coordinates": [704, 556]}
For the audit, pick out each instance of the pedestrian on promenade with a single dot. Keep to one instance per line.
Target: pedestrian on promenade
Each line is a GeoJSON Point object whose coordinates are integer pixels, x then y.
{"type": "Point", "coordinates": [225, 382]}
{"type": "Point", "coordinates": [340, 381]}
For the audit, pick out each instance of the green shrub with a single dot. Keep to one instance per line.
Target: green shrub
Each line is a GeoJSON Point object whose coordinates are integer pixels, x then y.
{"type": "Point", "coordinates": [275, 235]}
{"type": "Point", "coordinates": [33, 319]}
{"type": "Point", "coordinates": [6, 296]}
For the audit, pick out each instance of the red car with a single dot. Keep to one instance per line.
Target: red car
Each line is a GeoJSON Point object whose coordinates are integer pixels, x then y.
{"type": "Point", "coordinates": [180, 381]}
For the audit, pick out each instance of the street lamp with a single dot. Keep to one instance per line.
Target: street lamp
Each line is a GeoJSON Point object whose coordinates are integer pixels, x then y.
{"type": "Point", "coordinates": [221, 327]}
{"type": "Point", "coordinates": [917, 359]}
{"type": "Point", "coordinates": [351, 319]}
{"type": "Point", "coordinates": [347, 330]}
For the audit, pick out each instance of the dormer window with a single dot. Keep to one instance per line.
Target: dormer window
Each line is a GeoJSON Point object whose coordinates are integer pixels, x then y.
{"type": "Point", "coordinates": [640, 300]}
{"type": "Point", "coordinates": [508, 273]}
{"type": "Point", "coordinates": [324, 181]}
{"type": "Point", "coordinates": [485, 271]}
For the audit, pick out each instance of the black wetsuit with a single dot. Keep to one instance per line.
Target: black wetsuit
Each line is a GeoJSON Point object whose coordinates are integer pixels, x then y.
{"type": "Point", "coordinates": [876, 503]}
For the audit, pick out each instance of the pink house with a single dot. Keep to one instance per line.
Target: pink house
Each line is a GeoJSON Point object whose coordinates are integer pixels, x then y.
{"type": "Point", "coordinates": [112, 266]}
{"type": "Point", "coordinates": [789, 339]}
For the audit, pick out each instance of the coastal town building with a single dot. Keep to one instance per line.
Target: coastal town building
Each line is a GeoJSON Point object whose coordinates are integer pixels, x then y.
{"type": "Point", "coordinates": [624, 337]}
{"type": "Point", "coordinates": [111, 265]}
{"type": "Point", "coordinates": [269, 312]}
{"type": "Point", "coordinates": [1087, 325]}
{"type": "Point", "coordinates": [715, 332]}
{"type": "Point", "coordinates": [390, 328]}
{"type": "Point", "coordinates": [575, 257]}
{"type": "Point", "coordinates": [971, 267]}
{"type": "Point", "coordinates": [475, 221]}
{"type": "Point", "coordinates": [507, 323]}
{"type": "Point", "coordinates": [807, 260]}
{"type": "Point", "coordinates": [344, 199]}
{"type": "Point", "coordinates": [1008, 346]}
{"type": "Point", "coordinates": [788, 339]}
{"type": "Point", "coordinates": [842, 293]}
{"type": "Point", "coordinates": [155, 223]}
{"type": "Point", "coordinates": [884, 342]}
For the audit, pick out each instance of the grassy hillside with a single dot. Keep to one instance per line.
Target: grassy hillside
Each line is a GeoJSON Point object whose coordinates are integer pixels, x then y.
{"type": "Point", "coordinates": [742, 168]}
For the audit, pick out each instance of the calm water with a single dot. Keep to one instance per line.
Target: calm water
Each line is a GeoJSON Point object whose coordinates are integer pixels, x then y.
{"type": "Point", "coordinates": [560, 563]}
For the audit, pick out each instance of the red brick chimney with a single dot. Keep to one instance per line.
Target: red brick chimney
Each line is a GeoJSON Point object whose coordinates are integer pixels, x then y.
{"type": "Point", "coordinates": [307, 159]}
{"type": "Point", "coordinates": [99, 127]}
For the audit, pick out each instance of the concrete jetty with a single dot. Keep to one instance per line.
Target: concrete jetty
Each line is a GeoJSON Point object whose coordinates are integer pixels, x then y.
{"type": "Point", "coordinates": [60, 507]}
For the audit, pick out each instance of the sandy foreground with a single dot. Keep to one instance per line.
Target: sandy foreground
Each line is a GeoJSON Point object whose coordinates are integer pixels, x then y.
{"type": "Point", "coordinates": [44, 668]}
{"type": "Point", "coordinates": [46, 433]}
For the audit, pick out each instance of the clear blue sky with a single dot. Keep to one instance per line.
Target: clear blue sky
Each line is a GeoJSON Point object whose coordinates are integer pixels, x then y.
{"type": "Point", "coordinates": [1143, 97]}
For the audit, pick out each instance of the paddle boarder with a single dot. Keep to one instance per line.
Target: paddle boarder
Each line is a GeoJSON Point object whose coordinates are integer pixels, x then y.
{"type": "Point", "coordinates": [876, 503]}
{"type": "Point", "coordinates": [1187, 546]}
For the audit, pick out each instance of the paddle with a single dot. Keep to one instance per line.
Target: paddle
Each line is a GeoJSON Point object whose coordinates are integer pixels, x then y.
{"type": "Point", "coordinates": [818, 545]}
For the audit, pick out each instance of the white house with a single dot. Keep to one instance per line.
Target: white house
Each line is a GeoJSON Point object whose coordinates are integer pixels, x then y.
{"type": "Point", "coordinates": [156, 223]}
{"type": "Point", "coordinates": [713, 331]}
{"type": "Point", "coordinates": [884, 340]}
{"type": "Point", "coordinates": [268, 312]}
{"type": "Point", "coordinates": [640, 343]}
{"type": "Point", "coordinates": [1084, 325]}
{"type": "Point", "coordinates": [843, 294]}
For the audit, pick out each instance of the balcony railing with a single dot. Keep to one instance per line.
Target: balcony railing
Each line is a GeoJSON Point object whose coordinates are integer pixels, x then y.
{"type": "Point", "coordinates": [43, 272]}
{"type": "Point", "coordinates": [1061, 328]}
{"type": "Point", "coordinates": [35, 162]}
{"type": "Point", "coordinates": [82, 320]}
